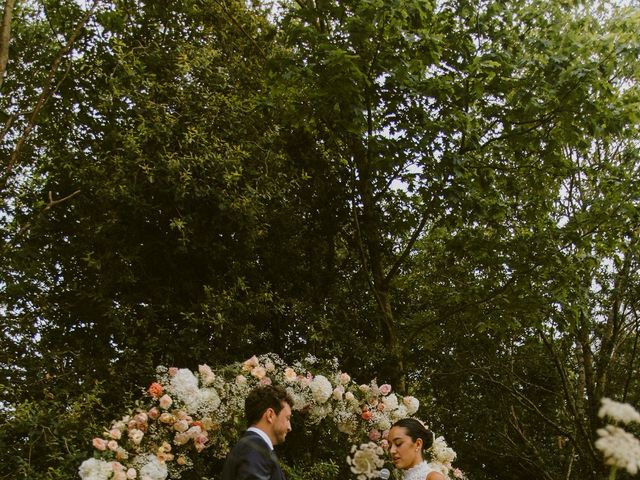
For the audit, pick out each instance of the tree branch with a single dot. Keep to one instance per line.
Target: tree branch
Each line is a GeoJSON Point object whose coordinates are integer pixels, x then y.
{"type": "Point", "coordinates": [5, 37]}
{"type": "Point", "coordinates": [47, 92]}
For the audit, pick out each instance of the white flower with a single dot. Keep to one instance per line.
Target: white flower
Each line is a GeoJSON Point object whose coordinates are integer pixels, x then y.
{"type": "Point", "coordinates": [412, 404]}
{"type": "Point", "coordinates": [398, 413]}
{"type": "Point", "coordinates": [382, 423]}
{"type": "Point", "coordinates": [390, 402]}
{"type": "Point", "coordinates": [366, 460]}
{"type": "Point", "coordinates": [136, 435]}
{"type": "Point", "coordinates": [208, 399]}
{"type": "Point", "coordinates": [94, 469]}
{"type": "Point", "coordinates": [321, 389]}
{"type": "Point", "coordinates": [441, 452]}
{"type": "Point", "coordinates": [185, 385]}
{"type": "Point", "coordinates": [620, 448]}
{"type": "Point", "coordinates": [622, 412]}
{"type": "Point", "coordinates": [153, 468]}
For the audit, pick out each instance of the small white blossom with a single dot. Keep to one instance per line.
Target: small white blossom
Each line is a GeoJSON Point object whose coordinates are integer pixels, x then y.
{"type": "Point", "coordinates": [622, 412]}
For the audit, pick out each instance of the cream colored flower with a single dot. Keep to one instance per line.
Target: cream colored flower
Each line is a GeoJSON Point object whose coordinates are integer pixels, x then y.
{"type": "Point", "coordinates": [366, 460]}
{"type": "Point", "coordinates": [622, 412]}
{"type": "Point", "coordinates": [620, 448]}
{"type": "Point", "coordinates": [411, 403]}
{"type": "Point", "coordinates": [206, 374]}
{"type": "Point", "coordinates": [290, 375]}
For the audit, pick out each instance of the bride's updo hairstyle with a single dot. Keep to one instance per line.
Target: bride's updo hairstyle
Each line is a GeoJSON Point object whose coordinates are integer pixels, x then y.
{"type": "Point", "coordinates": [415, 429]}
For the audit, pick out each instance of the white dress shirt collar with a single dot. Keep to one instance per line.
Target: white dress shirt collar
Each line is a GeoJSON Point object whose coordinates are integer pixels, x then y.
{"type": "Point", "coordinates": [262, 434]}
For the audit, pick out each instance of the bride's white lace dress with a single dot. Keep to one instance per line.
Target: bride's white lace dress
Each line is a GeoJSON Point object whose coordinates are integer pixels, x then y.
{"type": "Point", "coordinates": [419, 472]}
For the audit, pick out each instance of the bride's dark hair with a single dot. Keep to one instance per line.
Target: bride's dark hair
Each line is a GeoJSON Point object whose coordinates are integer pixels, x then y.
{"type": "Point", "coordinates": [415, 429]}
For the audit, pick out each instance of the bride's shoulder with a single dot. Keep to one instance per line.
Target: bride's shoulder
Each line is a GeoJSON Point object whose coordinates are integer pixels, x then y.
{"type": "Point", "coordinates": [433, 474]}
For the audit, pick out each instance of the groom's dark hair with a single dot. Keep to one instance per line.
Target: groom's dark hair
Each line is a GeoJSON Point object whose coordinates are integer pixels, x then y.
{"type": "Point", "coordinates": [264, 397]}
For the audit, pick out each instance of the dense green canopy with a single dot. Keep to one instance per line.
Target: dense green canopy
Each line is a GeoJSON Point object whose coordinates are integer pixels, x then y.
{"type": "Point", "coordinates": [442, 195]}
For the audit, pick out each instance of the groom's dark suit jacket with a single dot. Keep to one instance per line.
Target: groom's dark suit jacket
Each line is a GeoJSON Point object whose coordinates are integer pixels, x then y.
{"type": "Point", "coordinates": [251, 459]}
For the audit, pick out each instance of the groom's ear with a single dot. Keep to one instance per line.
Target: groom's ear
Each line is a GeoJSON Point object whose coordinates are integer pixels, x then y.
{"type": "Point", "coordinates": [269, 415]}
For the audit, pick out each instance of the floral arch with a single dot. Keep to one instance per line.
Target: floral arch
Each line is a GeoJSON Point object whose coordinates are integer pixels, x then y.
{"type": "Point", "coordinates": [191, 412]}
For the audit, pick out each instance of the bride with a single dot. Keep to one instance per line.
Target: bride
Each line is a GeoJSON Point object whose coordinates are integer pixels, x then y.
{"type": "Point", "coordinates": [408, 439]}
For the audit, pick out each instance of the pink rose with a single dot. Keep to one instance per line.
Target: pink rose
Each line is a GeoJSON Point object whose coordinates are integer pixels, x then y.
{"type": "Point", "coordinates": [380, 407]}
{"type": "Point", "coordinates": [250, 364]}
{"type": "Point", "coordinates": [259, 372]}
{"type": "Point", "coordinates": [173, 371]}
{"type": "Point", "coordinates": [131, 473]}
{"type": "Point", "coordinates": [384, 443]}
{"type": "Point", "coordinates": [374, 435]}
{"type": "Point", "coordinates": [153, 413]}
{"type": "Point", "coordinates": [344, 378]}
{"type": "Point", "coordinates": [458, 473]}
{"type": "Point", "coordinates": [112, 445]}
{"type": "Point", "coordinates": [165, 402]}
{"type": "Point", "coordinates": [115, 433]}
{"type": "Point", "coordinates": [99, 444]}
{"type": "Point", "coordinates": [349, 396]}
{"type": "Point", "coordinates": [206, 373]}
{"type": "Point", "coordinates": [385, 389]}
{"type": "Point", "coordinates": [241, 380]}
{"type": "Point", "coordinates": [265, 381]}
{"type": "Point", "coordinates": [338, 392]}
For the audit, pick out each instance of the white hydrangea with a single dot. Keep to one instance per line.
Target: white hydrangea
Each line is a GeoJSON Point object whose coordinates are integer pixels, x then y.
{"type": "Point", "coordinates": [622, 412]}
{"type": "Point", "coordinates": [398, 413]}
{"type": "Point", "coordinates": [184, 384]}
{"type": "Point", "coordinates": [153, 468]}
{"type": "Point", "coordinates": [390, 402]}
{"type": "Point", "coordinates": [94, 469]}
{"type": "Point", "coordinates": [620, 448]}
{"type": "Point", "coordinates": [321, 388]}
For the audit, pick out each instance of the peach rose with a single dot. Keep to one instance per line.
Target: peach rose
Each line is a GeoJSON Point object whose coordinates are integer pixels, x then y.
{"type": "Point", "coordinates": [155, 390]}
{"type": "Point", "coordinates": [290, 374]}
{"type": "Point", "coordinates": [99, 444]}
{"type": "Point", "coordinates": [250, 364]}
{"type": "Point", "coordinates": [165, 402]}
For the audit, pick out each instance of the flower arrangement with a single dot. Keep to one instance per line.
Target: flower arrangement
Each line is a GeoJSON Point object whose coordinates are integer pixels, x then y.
{"type": "Point", "coordinates": [189, 412]}
{"type": "Point", "coordinates": [620, 448]}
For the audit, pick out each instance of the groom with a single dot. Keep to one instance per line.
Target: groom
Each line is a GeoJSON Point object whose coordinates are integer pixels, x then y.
{"type": "Point", "coordinates": [268, 413]}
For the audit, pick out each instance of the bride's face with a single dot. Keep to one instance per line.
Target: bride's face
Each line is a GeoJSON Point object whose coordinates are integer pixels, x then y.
{"type": "Point", "coordinates": [405, 453]}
